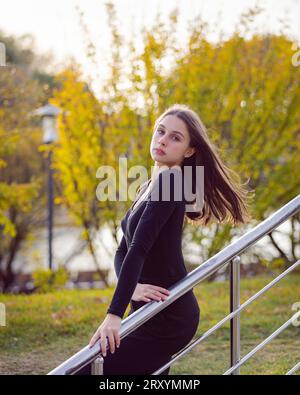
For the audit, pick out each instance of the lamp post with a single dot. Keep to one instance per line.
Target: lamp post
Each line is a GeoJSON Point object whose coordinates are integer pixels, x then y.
{"type": "Point", "coordinates": [49, 113]}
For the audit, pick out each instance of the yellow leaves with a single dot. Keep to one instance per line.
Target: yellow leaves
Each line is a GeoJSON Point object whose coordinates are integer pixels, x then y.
{"type": "Point", "coordinates": [9, 228]}
{"type": "Point", "coordinates": [85, 144]}
{"type": "Point", "coordinates": [44, 148]}
{"type": "Point", "coordinates": [2, 163]}
{"type": "Point", "coordinates": [47, 280]}
{"type": "Point", "coordinates": [58, 200]}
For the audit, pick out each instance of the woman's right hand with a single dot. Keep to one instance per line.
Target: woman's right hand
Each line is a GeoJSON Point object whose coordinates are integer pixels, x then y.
{"type": "Point", "coordinates": [146, 292]}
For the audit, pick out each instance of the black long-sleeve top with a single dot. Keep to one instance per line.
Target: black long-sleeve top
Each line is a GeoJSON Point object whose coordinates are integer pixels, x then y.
{"type": "Point", "coordinates": [150, 249]}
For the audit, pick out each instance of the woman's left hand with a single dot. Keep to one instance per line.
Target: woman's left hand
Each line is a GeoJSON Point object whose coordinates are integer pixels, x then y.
{"type": "Point", "coordinates": [110, 328]}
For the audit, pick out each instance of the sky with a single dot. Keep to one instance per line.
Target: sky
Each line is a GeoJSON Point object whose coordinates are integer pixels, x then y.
{"type": "Point", "coordinates": [55, 23]}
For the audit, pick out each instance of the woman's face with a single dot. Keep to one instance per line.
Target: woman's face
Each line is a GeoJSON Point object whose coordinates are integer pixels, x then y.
{"type": "Point", "coordinates": [172, 138]}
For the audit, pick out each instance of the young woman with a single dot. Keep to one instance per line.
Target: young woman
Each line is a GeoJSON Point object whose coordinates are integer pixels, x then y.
{"type": "Point", "coordinates": [149, 258]}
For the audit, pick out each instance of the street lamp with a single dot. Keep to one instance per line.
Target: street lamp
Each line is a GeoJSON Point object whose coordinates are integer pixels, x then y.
{"type": "Point", "coordinates": [49, 113]}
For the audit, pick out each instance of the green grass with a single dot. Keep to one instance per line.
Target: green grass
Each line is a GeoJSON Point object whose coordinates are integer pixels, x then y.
{"type": "Point", "coordinates": [43, 330]}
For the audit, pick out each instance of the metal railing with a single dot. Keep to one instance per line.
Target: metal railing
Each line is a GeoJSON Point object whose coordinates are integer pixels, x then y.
{"type": "Point", "coordinates": [230, 254]}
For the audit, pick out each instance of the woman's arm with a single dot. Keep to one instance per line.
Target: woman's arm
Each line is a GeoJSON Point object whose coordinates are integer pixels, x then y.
{"type": "Point", "coordinates": [122, 248]}
{"type": "Point", "coordinates": [120, 255]}
{"type": "Point", "coordinates": [153, 218]}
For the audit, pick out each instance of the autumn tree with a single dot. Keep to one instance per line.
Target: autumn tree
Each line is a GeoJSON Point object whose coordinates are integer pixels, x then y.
{"type": "Point", "coordinates": [21, 164]}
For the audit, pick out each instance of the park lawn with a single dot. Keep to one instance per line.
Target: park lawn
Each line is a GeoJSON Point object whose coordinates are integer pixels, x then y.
{"type": "Point", "coordinates": [43, 330]}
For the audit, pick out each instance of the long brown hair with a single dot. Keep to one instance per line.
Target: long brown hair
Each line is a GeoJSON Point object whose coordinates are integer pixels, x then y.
{"type": "Point", "coordinates": [225, 198]}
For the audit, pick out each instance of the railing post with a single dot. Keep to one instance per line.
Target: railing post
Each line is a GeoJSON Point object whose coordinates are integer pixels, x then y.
{"type": "Point", "coordinates": [97, 366]}
{"type": "Point", "coordinates": [235, 304]}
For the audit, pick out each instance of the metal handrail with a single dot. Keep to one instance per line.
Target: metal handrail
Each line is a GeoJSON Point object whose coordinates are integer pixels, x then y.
{"type": "Point", "coordinates": [294, 369]}
{"type": "Point", "coordinates": [139, 317]}
{"type": "Point", "coordinates": [263, 343]}
{"type": "Point", "coordinates": [230, 316]}
{"type": "Point", "coordinates": [235, 332]}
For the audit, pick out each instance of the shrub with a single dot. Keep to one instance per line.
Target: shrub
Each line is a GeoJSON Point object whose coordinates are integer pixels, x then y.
{"type": "Point", "coordinates": [46, 280]}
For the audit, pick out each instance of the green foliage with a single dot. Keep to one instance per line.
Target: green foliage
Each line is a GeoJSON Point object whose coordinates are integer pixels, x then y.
{"type": "Point", "coordinates": [46, 280]}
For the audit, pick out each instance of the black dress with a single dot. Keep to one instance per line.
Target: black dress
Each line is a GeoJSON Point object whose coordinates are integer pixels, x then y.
{"type": "Point", "coordinates": [150, 252]}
